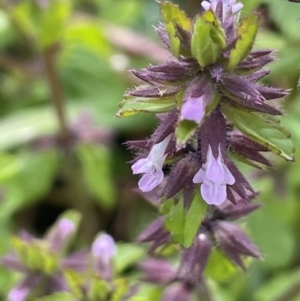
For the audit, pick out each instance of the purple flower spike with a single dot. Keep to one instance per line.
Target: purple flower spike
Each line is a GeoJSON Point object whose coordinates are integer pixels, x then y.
{"type": "Point", "coordinates": [151, 166]}
{"type": "Point", "coordinates": [215, 176]}
{"type": "Point", "coordinates": [193, 109]}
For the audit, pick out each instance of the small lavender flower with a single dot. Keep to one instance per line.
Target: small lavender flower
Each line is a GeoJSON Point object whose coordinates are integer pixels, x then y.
{"type": "Point", "coordinates": [103, 251]}
{"type": "Point", "coordinates": [60, 234]}
{"type": "Point", "coordinates": [193, 109]}
{"type": "Point", "coordinates": [196, 99]}
{"type": "Point", "coordinates": [214, 175]}
{"type": "Point", "coordinates": [151, 166]}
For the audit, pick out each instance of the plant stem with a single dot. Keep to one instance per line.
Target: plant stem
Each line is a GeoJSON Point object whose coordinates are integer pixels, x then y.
{"type": "Point", "coordinates": [48, 55]}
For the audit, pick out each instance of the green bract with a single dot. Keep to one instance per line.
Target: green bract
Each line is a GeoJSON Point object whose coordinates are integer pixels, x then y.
{"type": "Point", "coordinates": [262, 130]}
{"type": "Point", "coordinates": [246, 34]}
{"type": "Point", "coordinates": [183, 224]}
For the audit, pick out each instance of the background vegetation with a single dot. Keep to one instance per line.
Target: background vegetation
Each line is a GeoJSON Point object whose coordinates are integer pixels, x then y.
{"type": "Point", "coordinates": [62, 74]}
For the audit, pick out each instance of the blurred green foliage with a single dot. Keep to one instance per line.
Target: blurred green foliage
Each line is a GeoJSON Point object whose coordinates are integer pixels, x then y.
{"type": "Point", "coordinates": [92, 43]}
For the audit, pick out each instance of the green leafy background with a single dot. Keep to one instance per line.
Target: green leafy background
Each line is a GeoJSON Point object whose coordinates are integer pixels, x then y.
{"type": "Point", "coordinates": [92, 52]}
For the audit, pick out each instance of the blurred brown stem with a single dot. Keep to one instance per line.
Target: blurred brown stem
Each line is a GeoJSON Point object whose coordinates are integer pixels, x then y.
{"type": "Point", "coordinates": [57, 99]}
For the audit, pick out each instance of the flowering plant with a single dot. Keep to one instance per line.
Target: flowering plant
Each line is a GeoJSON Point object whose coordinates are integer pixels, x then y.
{"type": "Point", "coordinates": [213, 112]}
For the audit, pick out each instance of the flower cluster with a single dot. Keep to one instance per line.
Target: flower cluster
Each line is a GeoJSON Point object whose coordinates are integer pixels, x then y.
{"type": "Point", "coordinates": [217, 227]}
{"type": "Point", "coordinates": [47, 271]}
{"type": "Point", "coordinates": [212, 107]}
{"type": "Point", "coordinates": [213, 112]}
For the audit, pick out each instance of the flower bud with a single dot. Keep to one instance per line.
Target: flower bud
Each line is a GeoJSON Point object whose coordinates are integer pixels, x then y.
{"type": "Point", "coordinates": [103, 251]}
{"type": "Point", "coordinates": [60, 234]}
{"type": "Point", "coordinates": [157, 271]}
{"type": "Point", "coordinates": [176, 292]}
{"type": "Point", "coordinates": [194, 260]}
{"type": "Point", "coordinates": [234, 242]}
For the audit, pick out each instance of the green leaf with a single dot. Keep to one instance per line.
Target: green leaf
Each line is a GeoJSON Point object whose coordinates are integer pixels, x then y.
{"type": "Point", "coordinates": [35, 255]}
{"type": "Point", "coordinates": [174, 39]}
{"type": "Point", "coordinates": [207, 39]}
{"type": "Point", "coordinates": [9, 167]}
{"type": "Point", "coordinates": [174, 221]}
{"type": "Point", "coordinates": [183, 224]}
{"type": "Point", "coordinates": [217, 32]}
{"type": "Point", "coordinates": [46, 26]}
{"type": "Point", "coordinates": [173, 15]}
{"type": "Point", "coordinates": [88, 34]}
{"type": "Point", "coordinates": [193, 219]}
{"type": "Point", "coordinates": [261, 130]}
{"type": "Point", "coordinates": [184, 131]}
{"type": "Point", "coordinates": [127, 255]}
{"type": "Point", "coordinates": [75, 282]}
{"type": "Point", "coordinates": [29, 178]}
{"type": "Point", "coordinates": [280, 248]}
{"type": "Point", "coordinates": [140, 105]}
{"type": "Point", "coordinates": [219, 268]}
{"type": "Point", "coordinates": [120, 289]}
{"type": "Point", "coordinates": [271, 289]}
{"type": "Point", "coordinates": [246, 34]}
{"type": "Point", "coordinates": [95, 160]}
{"type": "Point", "coordinates": [99, 290]}
{"type": "Point", "coordinates": [147, 292]}
{"type": "Point", "coordinates": [62, 296]}
{"type": "Point", "coordinates": [37, 170]}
